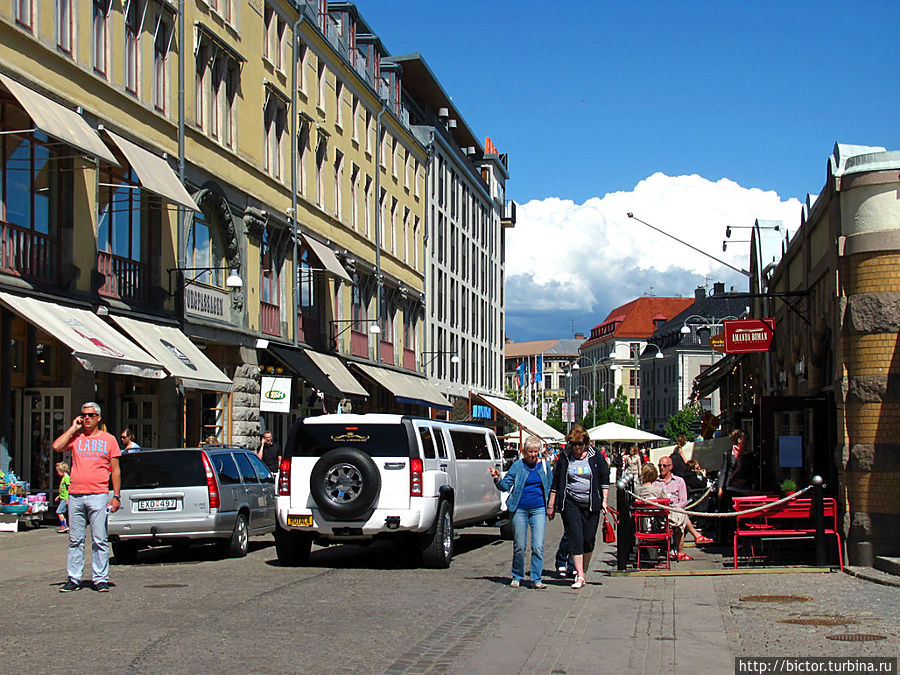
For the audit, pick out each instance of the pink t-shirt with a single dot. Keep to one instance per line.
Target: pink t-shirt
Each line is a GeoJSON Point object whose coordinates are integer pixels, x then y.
{"type": "Point", "coordinates": [90, 462]}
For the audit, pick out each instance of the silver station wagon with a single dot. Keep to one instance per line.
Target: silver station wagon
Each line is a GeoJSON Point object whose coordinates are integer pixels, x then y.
{"type": "Point", "coordinates": [192, 495]}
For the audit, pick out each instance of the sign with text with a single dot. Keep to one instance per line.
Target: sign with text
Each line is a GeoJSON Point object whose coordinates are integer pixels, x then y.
{"type": "Point", "coordinates": [717, 342]}
{"type": "Point", "coordinates": [744, 336]}
{"type": "Point", "coordinates": [207, 302]}
{"type": "Point", "coordinates": [275, 394]}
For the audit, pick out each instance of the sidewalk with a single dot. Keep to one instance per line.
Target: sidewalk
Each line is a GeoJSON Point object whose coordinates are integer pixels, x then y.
{"type": "Point", "coordinates": [684, 624]}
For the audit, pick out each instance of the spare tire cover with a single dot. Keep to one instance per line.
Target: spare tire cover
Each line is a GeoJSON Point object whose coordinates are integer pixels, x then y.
{"type": "Point", "coordinates": [345, 483]}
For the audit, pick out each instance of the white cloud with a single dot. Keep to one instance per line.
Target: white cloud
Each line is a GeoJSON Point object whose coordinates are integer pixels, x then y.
{"type": "Point", "coordinates": [568, 261]}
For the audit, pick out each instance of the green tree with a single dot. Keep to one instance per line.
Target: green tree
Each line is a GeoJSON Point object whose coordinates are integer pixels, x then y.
{"type": "Point", "coordinates": [617, 411]}
{"type": "Point", "coordinates": [680, 423]}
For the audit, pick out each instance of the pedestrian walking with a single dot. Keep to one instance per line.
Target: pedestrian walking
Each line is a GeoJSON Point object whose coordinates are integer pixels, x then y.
{"type": "Point", "coordinates": [269, 452]}
{"type": "Point", "coordinates": [528, 484]}
{"type": "Point", "coordinates": [95, 458]}
{"type": "Point", "coordinates": [62, 470]}
{"type": "Point", "coordinates": [128, 443]}
{"type": "Point", "coordinates": [579, 492]}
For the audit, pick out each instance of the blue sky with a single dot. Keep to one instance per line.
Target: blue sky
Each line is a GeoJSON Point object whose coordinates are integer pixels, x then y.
{"type": "Point", "coordinates": [591, 98]}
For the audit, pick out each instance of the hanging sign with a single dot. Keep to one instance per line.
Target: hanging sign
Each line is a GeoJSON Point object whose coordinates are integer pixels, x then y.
{"type": "Point", "coordinates": [275, 394]}
{"type": "Point", "coordinates": [744, 336]}
{"type": "Point", "coordinates": [717, 342]}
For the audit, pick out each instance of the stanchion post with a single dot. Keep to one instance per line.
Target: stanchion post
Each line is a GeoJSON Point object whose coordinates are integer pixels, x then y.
{"type": "Point", "coordinates": [624, 535]}
{"type": "Point", "coordinates": [818, 504]}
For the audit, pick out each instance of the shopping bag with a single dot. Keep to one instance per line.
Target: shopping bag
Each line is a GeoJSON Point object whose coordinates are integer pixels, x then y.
{"type": "Point", "coordinates": [609, 533]}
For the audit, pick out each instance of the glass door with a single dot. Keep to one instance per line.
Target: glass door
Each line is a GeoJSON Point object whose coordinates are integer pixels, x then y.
{"type": "Point", "coordinates": [139, 413]}
{"type": "Point", "coordinates": [41, 416]}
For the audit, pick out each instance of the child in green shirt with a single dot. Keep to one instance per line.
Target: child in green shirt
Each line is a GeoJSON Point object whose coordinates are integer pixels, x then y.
{"type": "Point", "coordinates": [62, 470]}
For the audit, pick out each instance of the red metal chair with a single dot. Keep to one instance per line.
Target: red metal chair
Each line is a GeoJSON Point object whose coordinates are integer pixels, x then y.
{"type": "Point", "coordinates": [652, 528]}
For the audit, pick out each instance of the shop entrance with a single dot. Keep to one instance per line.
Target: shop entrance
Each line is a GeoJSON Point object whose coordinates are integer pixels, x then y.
{"type": "Point", "coordinates": [139, 414]}
{"type": "Point", "coordinates": [39, 416]}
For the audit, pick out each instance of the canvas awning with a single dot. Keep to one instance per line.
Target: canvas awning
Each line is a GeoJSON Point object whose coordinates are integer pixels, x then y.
{"type": "Point", "coordinates": [58, 121]}
{"type": "Point", "coordinates": [522, 417]}
{"type": "Point", "coordinates": [327, 258]}
{"type": "Point", "coordinates": [711, 378]}
{"type": "Point", "coordinates": [406, 388]}
{"type": "Point", "coordinates": [97, 345]}
{"type": "Point", "coordinates": [153, 172]}
{"type": "Point", "coordinates": [326, 373]}
{"type": "Point", "coordinates": [181, 357]}
{"type": "Point", "coordinates": [612, 432]}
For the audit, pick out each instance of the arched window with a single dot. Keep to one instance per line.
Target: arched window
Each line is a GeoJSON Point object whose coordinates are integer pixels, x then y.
{"type": "Point", "coordinates": [205, 249]}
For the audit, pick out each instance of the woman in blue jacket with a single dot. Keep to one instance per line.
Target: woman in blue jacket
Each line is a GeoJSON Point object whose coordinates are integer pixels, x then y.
{"type": "Point", "coordinates": [528, 483]}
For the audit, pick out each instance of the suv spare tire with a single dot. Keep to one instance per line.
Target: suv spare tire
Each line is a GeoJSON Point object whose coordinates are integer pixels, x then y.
{"type": "Point", "coordinates": [345, 483]}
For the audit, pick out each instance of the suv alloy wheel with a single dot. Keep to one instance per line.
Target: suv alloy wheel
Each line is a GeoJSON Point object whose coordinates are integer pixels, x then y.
{"type": "Point", "coordinates": [437, 546]}
{"type": "Point", "coordinates": [345, 483]}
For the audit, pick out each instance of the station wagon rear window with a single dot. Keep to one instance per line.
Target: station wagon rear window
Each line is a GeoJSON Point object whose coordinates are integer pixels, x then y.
{"type": "Point", "coordinates": [150, 470]}
{"type": "Point", "coordinates": [376, 440]}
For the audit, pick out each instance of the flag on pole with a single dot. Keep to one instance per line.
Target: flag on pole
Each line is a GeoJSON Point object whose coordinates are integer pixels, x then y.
{"type": "Point", "coordinates": [539, 370]}
{"type": "Point", "coordinates": [520, 374]}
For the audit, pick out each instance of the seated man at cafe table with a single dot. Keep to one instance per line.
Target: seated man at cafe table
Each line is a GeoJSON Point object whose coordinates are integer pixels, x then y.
{"type": "Point", "coordinates": [676, 491]}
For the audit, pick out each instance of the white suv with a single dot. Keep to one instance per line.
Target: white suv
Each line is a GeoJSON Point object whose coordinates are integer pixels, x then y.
{"type": "Point", "coordinates": [352, 478]}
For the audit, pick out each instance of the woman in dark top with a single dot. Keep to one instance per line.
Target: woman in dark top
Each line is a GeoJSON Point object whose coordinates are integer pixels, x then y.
{"type": "Point", "coordinates": [733, 480]}
{"type": "Point", "coordinates": [679, 466]}
{"type": "Point", "coordinates": [579, 492]}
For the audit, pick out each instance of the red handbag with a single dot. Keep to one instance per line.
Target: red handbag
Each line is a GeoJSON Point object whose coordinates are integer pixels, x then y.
{"type": "Point", "coordinates": [609, 532]}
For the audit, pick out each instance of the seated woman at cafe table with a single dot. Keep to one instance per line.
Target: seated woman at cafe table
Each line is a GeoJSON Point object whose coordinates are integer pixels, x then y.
{"type": "Point", "coordinates": [676, 491]}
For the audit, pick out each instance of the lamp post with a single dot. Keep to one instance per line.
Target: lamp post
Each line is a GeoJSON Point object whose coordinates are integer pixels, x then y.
{"type": "Point", "coordinates": [454, 357]}
{"type": "Point", "coordinates": [374, 328]}
{"type": "Point", "coordinates": [593, 363]}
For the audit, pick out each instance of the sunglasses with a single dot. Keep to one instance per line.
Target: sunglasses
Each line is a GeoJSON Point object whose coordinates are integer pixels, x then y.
{"type": "Point", "coordinates": [662, 464]}
{"type": "Point", "coordinates": [90, 414]}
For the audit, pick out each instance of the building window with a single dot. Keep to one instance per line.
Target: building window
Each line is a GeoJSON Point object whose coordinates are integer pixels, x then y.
{"type": "Point", "coordinates": [338, 182]}
{"type": "Point", "coordinates": [205, 249]}
{"type": "Point", "coordinates": [367, 207]}
{"type": "Point", "coordinates": [354, 193]}
{"type": "Point", "coordinates": [405, 243]}
{"type": "Point", "coordinates": [273, 38]}
{"type": "Point", "coordinates": [321, 154]}
{"type": "Point", "coordinates": [321, 87]}
{"type": "Point", "coordinates": [162, 40]}
{"type": "Point", "coordinates": [302, 147]}
{"type": "Point", "coordinates": [370, 132]}
{"type": "Point", "coordinates": [133, 21]}
{"type": "Point", "coordinates": [64, 25]}
{"type": "Point", "coordinates": [99, 35]}
{"type": "Point", "coordinates": [25, 13]}
{"type": "Point", "coordinates": [339, 104]}
{"type": "Point", "coordinates": [274, 123]}
{"type": "Point", "coordinates": [393, 234]}
{"type": "Point", "coordinates": [354, 108]}
{"type": "Point", "coordinates": [119, 222]}
{"type": "Point", "coordinates": [415, 243]}
{"type": "Point", "coordinates": [302, 51]}
{"type": "Point", "coordinates": [395, 158]}
{"type": "Point", "coordinates": [269, 270]}
{"type": "Point", "coordinates": [223, 88]}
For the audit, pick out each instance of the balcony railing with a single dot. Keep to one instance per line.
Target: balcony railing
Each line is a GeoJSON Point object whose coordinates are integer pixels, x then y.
{"type": "Point", "coordinates": [270, 318]}
{"type": "Point", "coordinates": [409, 359]}
{"type": "Point", "coordinates": [124, 279]}
{"type": "Point", "coordinates": [359, 343]}
{"type": "Point", "coordinates": [387, 352]}
{"type": "Point", "coordinates": [509, 213]}
{"type": "Point", "coordinates": [309, 330]}
{"type": "Point", "coordinates": [27, 253]}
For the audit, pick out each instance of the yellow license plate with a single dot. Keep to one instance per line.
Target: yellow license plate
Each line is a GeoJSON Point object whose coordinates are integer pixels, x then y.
{"type": "Point", "coordinates": [300, 521]}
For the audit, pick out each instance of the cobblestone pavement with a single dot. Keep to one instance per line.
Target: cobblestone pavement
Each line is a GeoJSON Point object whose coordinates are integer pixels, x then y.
{"type": "Point", "coordinates": [367, 609]}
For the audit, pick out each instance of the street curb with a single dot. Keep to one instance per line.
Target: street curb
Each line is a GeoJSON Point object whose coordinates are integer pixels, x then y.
{"type": "Point", "coordinates": [869, 574]}
{"type": "Point", "coordinates": [722, 573]}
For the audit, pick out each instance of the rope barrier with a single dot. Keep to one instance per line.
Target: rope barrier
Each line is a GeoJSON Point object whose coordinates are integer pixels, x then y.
{"type": "Point", "coordinates": [701, 498]}
{"type": "Point", "coordinates": [731, 514]}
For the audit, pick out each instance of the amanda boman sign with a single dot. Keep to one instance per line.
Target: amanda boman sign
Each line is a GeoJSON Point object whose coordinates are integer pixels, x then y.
{"type": "Point", "coordinates": [744, 336]}
{"type": "Point", "coordinates": [275, 394]}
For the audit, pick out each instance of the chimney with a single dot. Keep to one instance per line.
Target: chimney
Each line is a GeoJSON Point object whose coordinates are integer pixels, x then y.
{"type": "Point", "coordinates": [579, 336]}
{"type": "Point", "coordinates": [699, 293]}
{"type": "Point", "coordinates": [719, 288]}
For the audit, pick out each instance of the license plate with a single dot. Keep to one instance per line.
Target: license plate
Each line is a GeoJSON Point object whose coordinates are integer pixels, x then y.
{"type": "Point", "coordinates": [157, 505]}
{"type": "Point", "coordinates": [300, 521]}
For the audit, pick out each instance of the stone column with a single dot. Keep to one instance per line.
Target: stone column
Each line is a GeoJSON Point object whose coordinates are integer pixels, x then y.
{"type": "Point", "coordinates": [245, 401]}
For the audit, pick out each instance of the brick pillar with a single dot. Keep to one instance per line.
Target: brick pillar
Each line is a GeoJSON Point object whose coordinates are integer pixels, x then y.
{"type": "Point", "coordinates": [871, 459]}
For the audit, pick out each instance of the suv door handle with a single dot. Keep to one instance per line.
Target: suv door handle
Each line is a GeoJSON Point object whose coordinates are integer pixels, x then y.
{"type": "Point", "coordinates": [394, 465]}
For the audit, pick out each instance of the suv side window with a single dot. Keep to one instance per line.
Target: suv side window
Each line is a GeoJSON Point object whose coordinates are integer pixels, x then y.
{"type": "Point", "coordinates": [225, 468]}
{"type": "Point", "coordinates": [427, 442]}
{"type": "Point", "coordinates": [246, 467]}
{"type": "Point", "coordinates": [495, 447]}
{"type": "Point", "coordinates": [469, 445]}
{"type": "Point", "coordinates": [441, 445]}
{"type": "Point", "coordinates": [262, 471]}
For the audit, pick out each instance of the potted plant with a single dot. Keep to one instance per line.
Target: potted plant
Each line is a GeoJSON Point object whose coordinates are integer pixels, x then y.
{"type": "Point", "coordinates": [788, 486]}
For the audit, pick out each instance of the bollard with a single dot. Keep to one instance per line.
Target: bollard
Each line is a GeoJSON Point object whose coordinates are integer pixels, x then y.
{"type": "Point", "coordinates": [623, 534]}
{"type": "Point", "coordinates": [818, 505]}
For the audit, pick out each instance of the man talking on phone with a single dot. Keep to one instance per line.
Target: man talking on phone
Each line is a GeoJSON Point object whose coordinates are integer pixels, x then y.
{"type": "Point", "coordinates": [269, 452]}
{"type": "Point", "coordinates": [95, 457]}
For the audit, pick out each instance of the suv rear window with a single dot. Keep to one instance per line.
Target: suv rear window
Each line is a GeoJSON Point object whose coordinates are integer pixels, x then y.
{"type": "Point", "coordinates": [377, 440]}
{"type": "Point", "coordinates": [149, 470]}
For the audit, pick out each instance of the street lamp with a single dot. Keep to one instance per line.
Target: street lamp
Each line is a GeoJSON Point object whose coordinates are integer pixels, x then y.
{"type": "Point", "coordinates": [233, 281]}
{"type": "Point", "coordinates": [454, 358]}
{"type": "Point", "coordinates": [703, 323]}
{"type": "Point", "coordinates": [374, 328]}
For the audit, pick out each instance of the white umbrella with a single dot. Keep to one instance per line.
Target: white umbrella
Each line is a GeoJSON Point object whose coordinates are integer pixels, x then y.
{"type": "Point", "coordinates": [615, 432]}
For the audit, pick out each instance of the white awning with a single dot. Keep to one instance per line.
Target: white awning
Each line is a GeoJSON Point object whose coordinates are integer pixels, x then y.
{"type": "Point", "coordinates": [327, 257]}
{"type": "Point", "coordinates": [613, 432]}
{"type": "Point", "coordinates": [154, 172]}
{"type": "Point", "coordinates": [58, 121]}
{"type": "Point", "coordinates": [181, 357]}
{"type": "Point", "coordinates": [97, 345]}
{"type": "Point", "coordinates": [406, 388]}
{"type": "Point", "coordinates": [337, 372]}
{"type": "Point", "coordinates": [522, 417]}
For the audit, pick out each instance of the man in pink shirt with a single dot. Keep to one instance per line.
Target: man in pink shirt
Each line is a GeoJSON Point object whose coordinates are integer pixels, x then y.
{"type": "Point", "coordinates": [95, 457]}
{"type": "Point", "coordinates": [676, 491]}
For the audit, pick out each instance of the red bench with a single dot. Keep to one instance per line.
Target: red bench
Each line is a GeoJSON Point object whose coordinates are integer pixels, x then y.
{"type": "Point", "coordinates": [794, 519]}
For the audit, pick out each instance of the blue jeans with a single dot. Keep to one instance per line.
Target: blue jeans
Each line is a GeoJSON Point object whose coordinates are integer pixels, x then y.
{"type": "Point", "coordinates": [521, 519]}
{"type": "Point", "coordinates": [84, 508]}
